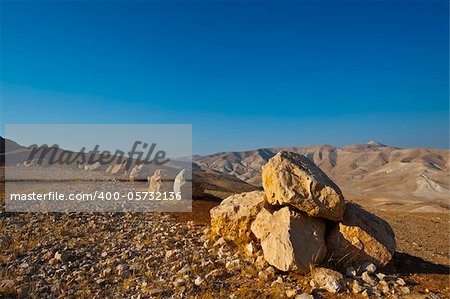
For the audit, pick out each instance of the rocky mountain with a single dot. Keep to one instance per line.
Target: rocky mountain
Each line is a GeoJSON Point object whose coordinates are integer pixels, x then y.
{"type": "Point", "coordinates": [377, 174]}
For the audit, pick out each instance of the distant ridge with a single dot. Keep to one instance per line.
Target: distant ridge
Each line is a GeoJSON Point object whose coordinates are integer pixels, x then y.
{"type": "Point", "coordinates": [384, 174]}
{"type": "Point", "coordinates": [387, 177]}
{"type": "Point", "coordinates": [208, 178]}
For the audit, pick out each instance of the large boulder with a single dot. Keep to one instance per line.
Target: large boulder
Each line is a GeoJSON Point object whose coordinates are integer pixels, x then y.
{"type": "Point", "coordinates": [233, 217]}
{"type": "Point", "coordinates": [290, 240]}
{"type": "Point", "coordinates": [292, 179]}
{"type": "Point", "coordinates": [361, 237]}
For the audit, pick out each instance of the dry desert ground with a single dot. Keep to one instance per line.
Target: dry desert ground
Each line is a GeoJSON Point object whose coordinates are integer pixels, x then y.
{"type": "Point", "coordinates": [167, 255]}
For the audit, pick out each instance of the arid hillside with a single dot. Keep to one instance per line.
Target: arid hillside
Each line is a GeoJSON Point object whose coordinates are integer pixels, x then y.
{"type": "Point", "coordinates": [387, 177]}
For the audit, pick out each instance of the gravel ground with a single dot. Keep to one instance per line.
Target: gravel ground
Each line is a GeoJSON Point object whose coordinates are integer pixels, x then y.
{"type": "Point", "coordinates": [124, 255]}
{"type": "Point", "coordinates": [156, 255]}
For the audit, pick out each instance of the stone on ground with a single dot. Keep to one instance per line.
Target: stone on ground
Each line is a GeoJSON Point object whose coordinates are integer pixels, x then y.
{"type": "Point", "coordinates": [361, 237]}
{"type": "Point", "coordinates": [118, 168]}
{"type": "Point", "coordinates": [292, 179]}
{"type": "Point", "coordinates": [233, 217]}
{"type": "Point", "coordinates": [136, 171]}
{"type": "Point", "coordinates": [327, 279]}
{"type": "Point", "coordinates": [290, 240]}
{"type": "Point", "coordinates": [159, 182]}
{"type": "Point", "coordinates": [181, 184]}
{"type": "Point", "coordinates": [93, 167]}
{"type": "Point", "coordinates": [185, 185]}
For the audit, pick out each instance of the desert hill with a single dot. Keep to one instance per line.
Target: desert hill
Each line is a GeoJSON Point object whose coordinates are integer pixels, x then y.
{"type": "Point", "coordinates": [373, 174]}
{"type": "Point", "coordinates": [377, 174]}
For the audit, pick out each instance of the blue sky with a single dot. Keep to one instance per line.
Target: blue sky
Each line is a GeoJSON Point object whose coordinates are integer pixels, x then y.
{"type": "Point", "coordinates": [244, 74]}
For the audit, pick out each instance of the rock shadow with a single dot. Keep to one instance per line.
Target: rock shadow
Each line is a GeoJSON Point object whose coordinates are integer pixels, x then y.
{"type": "Point", "coordinates": [403, 263]}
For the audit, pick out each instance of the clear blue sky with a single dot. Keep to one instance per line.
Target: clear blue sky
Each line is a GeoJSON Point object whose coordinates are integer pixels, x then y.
{"type": "Point", "coordinates": [245, 74]}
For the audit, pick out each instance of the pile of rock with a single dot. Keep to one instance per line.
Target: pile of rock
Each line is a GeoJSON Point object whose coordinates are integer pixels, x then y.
{"type": "Point", "coordinates": [364, 280]}
{"type": "Point", "coordinates": [301, 220]}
